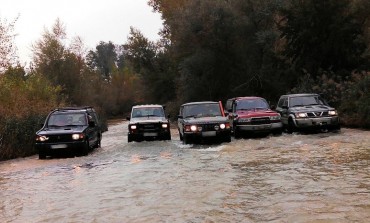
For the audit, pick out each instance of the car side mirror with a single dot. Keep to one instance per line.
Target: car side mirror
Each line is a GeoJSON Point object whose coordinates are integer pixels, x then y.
{"type": "Point", "coordinates": [128, 118]}
{"type": "Point", "coordinates": [284, 107]}
{"type": "Point", "coordinates": [168, 116]}
{"type": "Point", "coordinates": [92, 124]}
{"type": "Point", "coordinates": [273, 107]}
{"type": "Point", "coordinates": [179, 116]}
{"type": "Point", "coordinates": [226, 113]}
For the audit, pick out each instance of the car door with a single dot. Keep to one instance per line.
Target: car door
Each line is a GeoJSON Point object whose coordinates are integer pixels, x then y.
{"type": "Point", "coordinates": [282, 109]}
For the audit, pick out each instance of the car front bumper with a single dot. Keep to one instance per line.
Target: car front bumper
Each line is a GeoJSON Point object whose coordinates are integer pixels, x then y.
{"type": "Point", "coordinates": [60, 147]}
{"type": "Point", "coordinates": [317, 122]}
{"type": "Point", "coordinates": [208, 134]}
{"type": "Point", "coordinates": [259, 128]}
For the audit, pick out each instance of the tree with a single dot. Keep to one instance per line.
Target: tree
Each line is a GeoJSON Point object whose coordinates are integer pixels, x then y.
{"type": "Point", "coordinates": [104, 59]}
{"type": "Point", "coordinates": [8, 49]}
{"type": "Point", "coordinates": [322, 35]}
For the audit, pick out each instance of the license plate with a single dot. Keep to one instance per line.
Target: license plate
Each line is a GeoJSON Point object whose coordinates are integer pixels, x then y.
{"type": "Point", "coordinates": [208, 134]}
{"type": "Point", "coordinates": [150, 134]}
{"type": "Point", "coordinates": [59, 146]}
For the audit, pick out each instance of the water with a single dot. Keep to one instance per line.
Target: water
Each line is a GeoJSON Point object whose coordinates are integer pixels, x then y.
{"type": "Point", "coordinates": [290, 178]}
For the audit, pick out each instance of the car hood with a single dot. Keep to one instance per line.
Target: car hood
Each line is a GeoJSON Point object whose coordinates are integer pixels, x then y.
{"type": "Point", "coordinates": [61, 130]}
{"type": "Point", "coordinates": [311, 108]}
{"type": "Point", "coordinates": [256, 113]}
{"type": "Point", "coordinates": [205, 120]}
{"type": "Point", "coordinates": [148, 120]}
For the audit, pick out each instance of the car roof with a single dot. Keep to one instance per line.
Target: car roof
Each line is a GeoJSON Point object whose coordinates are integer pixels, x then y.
{"type": "Point", "coordinates": [300, 95]}
{"type": "Point", "coordinates": [148, 106]}
{"type": "Point", "coordinates": [247, 98]}
{"type": "Point", "coordinates": [200, 102]}
{"type": "Point", "coordinates": [73, 109]}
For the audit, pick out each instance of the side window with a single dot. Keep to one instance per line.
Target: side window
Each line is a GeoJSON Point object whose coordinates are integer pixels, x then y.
{"type": "Point", "coordinates": [280, 103]}
{"type": "Point", "coordinates": [228, 105]}
{"type": "Point", "coordinates": [285, 102]}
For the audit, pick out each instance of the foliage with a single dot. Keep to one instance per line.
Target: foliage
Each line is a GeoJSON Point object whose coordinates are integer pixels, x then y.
{"type": "Point", "coordinates": [25, 101]}
{"type": "Point", "coordinates": [8, 49]}
{"type": "Point", "coordinates": [322, 35]}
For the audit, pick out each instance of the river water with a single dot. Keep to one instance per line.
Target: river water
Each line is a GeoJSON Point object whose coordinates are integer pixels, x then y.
{"type": "Point", "coordinates": [289, 178]}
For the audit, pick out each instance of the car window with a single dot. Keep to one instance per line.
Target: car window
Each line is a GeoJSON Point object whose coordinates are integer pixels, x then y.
{"type": "Point", "coordinates": [251, 104]}
{"type": "Point", "coordinates": [146, 111]}
{"type": "Point", "coordinates": [281, 102]}
{"type": "Point", "coordinates": [67, 119]}
{"type": "Point", "coordinates": [305, 100]}
{"type": "Point", "coordinates": [202, 110]}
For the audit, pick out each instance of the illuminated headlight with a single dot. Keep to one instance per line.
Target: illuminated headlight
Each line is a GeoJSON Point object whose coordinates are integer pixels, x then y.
{"type": "Point", "coordinates": [133, 127]}
{"type": "Point", "coordinates": [193, 128]}
{"type": "Point", "coordinates": [278, 117]}
{"type": "Point", "coordinates": [301, 115]}
{"type": "Point", "coordinates": [245, 120]}
{"type": "Point", "coordinates": [164, 125]}
{"type": "Point", "coordinates": [77, 136]}
{"type": "Point", "coordinates": [222, 126]}
{"type": "Point", "coordinates": [333, 113]}
{"type": "Point", "coordinates": [42, 138]}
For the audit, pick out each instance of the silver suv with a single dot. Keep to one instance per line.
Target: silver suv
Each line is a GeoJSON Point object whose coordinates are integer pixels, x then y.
{"type": "Point", "coordinates": [304, 111]}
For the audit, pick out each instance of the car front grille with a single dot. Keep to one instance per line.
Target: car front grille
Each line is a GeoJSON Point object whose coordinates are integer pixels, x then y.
{"type": "Point", "coordinates": [60, 138]}
{"type": "Point", "coordinates": [209, 127]}
{"type": "Point", "coordinates": [317, 114]}
{"type": "Point", "coordinates": [260, 121]}
{"type": "Point", "coordinates": [149, 127]}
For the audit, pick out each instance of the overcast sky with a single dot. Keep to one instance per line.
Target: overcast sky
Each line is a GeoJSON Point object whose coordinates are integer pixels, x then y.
{"type": "Point", "coordinates": [92, 20]}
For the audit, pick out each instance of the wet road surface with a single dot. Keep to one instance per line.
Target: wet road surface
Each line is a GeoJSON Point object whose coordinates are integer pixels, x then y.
{"type": "Point", "coordinates": [289, 178]}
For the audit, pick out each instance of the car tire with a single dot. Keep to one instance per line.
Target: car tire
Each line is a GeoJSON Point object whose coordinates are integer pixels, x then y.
{"type": "Point", "coordinates": [98, 143]}
{"type": "Point", "coordinates": [237, 133]}
{"type": "Point", "coordinates": [186, 139]}
{"type": "Point", "coordinates": [129, 138]}
{"type": "Point", "coordinates": [227, 138]}
{"type": "Point", "coordinates": [277, 132]}
{"type": "Point", "coordinates": [291, 126]}
{"type": "Point", "coordinates": [168, 137]}
{"type": "Point", "coordinates": [42, 155]}
{"type": "Point", "coordinates": [85, 149]}
{"type": "Point", "coordinates": [181, 137]}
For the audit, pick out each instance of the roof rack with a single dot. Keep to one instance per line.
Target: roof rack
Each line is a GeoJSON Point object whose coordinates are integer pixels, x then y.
{"type": "Point", "coordinates": [73, 108]}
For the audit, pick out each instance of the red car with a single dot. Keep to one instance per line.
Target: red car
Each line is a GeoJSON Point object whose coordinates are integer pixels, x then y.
{"type": "Point", "coordinates": [252, 115]}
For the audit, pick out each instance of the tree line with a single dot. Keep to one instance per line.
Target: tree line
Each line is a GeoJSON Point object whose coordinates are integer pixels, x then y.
{"type": "Point", "coordinates": [208, 50]}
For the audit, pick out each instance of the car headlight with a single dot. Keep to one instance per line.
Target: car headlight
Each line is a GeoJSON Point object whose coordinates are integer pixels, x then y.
{"type": "Point", "coordinates": [77, 136]}
{"type": "Point", "coordinates": [42, 138]}
{"type": "Point", "coordinates": [277, 117]}
{"type": "Point", "coordinates": [164, 125]}
{"type": "Point", "coordinates": [333, 112]}
{"type": "Point", "coordinates": [244, 119]}
{"type": "Point", "coordinates": [193, 128]}
{"type": "Point", "coordinates": [301, 115]}
{"type": "Point", "coordinates": [133, 127]}
{"type": "Point", "coordinates": [222, 126]}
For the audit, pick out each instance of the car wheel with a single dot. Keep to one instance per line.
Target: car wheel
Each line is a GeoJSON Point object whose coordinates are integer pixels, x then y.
{"type": "Point", "coordinates": [227, 138]}
{"type": "Point", "coordinates": [237, 133]}
{"type": "Point", "coordinates": [181, 137]}
{"type": "Point", "coordinates": [168, 137]}
{"type": "Point", "coordinates": [291, 127]}
{"type": "Point", "coordinates": [186, 139]}
{"type": "Point", "coordinates": [129, 138]}
{"type": "Point", "coordinates": [85, 149]}
{"type": "Point", "coordinates": [98, 143]}
{"type": "Point", "coordinates": [277, 132]}
{"type": "Point", "coordinates": [42, 156]}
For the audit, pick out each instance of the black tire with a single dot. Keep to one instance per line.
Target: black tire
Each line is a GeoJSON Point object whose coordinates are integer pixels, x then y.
{"type": "Point", "coordinates": [186, 139]}
{"type": "Point", "coordinates": [42, 155]}
{"type": "Point", "coordinates": [181, 137]}
{"type": "Point", "coordinates": [84, 149]}
{"type": "Point", "coordinates": [291, 127]}
{"type": "Point", "coordinates": [98, 143]}
{"type": "Point", "coordinates": [168, 137]}
{"type": "Point", "coordinates": [237, 133]}
{"type": "Point", "coordinates": [277, 132]}
{"type": "Point", "coordinates": [129, 138]}
{"type": "Point", "coordinates": [227, 138]}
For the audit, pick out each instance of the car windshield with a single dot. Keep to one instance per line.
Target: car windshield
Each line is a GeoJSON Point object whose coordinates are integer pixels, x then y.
{"type": "Point", "coordinates": [69, 119]}
{"type": "Point", "coordinates": [249, 104]}
{"type": "Point", "coordinates": [305, 100]}
{"type": "Point", "coordinates": [147, 112]}
{"type": "Point", "coordinates": [202, 110]}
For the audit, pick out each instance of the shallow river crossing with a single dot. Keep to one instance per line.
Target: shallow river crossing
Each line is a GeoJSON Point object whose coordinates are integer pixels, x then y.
{"type": "Point", "coordinates": [321, 177]}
